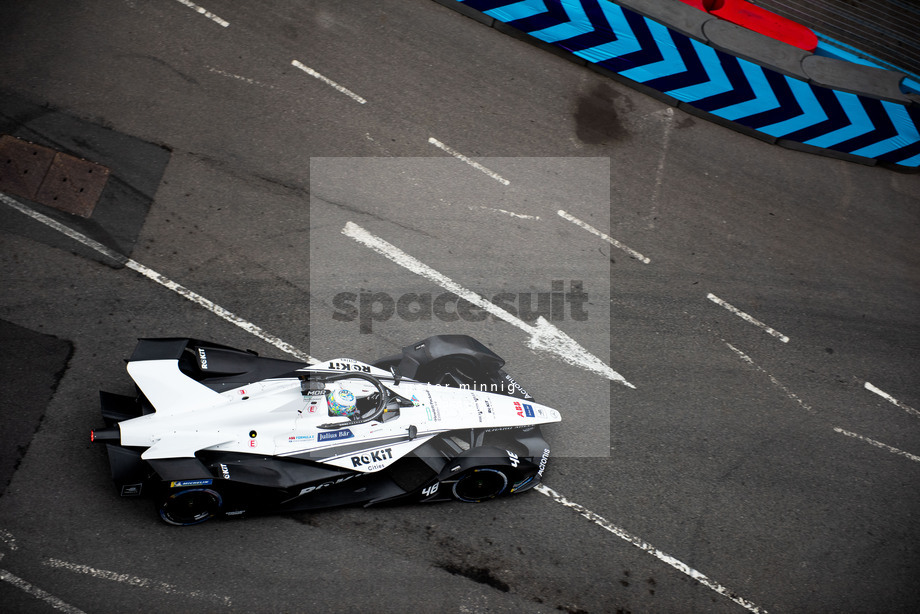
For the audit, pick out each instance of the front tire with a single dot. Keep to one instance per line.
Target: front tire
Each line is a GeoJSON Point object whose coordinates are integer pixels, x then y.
{"type": "Point", "coordinates": [480, 484]}
{"type": "Point", "coordinates": [190, 506]}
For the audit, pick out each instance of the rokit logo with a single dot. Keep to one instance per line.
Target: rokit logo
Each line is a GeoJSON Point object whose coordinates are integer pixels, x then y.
{"type": "Point", "coordinates": [203, 357]}
{"type": "Point", "coordinates": [377, 456]}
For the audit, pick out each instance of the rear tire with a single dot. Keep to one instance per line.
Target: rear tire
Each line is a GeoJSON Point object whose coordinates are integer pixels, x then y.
{"type": "Point", "coordinates": [190, 506]}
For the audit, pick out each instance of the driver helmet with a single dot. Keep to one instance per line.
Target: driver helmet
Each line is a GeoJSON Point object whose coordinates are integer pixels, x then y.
{"type": "Point", "coordinates": [341, 403]}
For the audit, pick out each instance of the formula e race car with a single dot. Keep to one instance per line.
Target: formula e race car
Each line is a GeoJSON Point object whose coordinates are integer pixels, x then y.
{"type": "Point", "coordinates": [216, 431]}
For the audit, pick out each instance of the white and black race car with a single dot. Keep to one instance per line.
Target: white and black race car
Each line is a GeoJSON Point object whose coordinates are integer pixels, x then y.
{"type": "Point", "coordinates": [216, 431]}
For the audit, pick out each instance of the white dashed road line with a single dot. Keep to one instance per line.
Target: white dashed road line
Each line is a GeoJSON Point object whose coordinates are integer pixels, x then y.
{"type": "Point", "coordinates": [224, 73]}
{"type": "Point", "coordinates": [469, 161]}
{"type": "Point", "coordinates": [38, 593]}
{"type": "Point", "coordinates": [715, 299]}
{"type": "Point", "coordinates": [647, 547]}
{"type": "Point", "coordinates": [775, 381]}
{"type": "Point", "coordinates": [892, 400]}
{"type": "Point", "coordinates": [522, 216]}
{"type": "Point", "coordinates": [8, 540]}
{"type": "Point", "coordinates": [182, 291]}
{"type": "Point", "coordinates": [329, 82]}
{"type": "Point", "coordinates": [102, 574]}
{"type": "Point", "coordinates": [206, 13]}
{"type": "Point", "coordinates": [605, 237]}
{"type": "Point", "coordinates": [808, 408]}
{"type": "Point", "coordinates": [879, 444]}
{"type": "Point", "coordinates": [124, 578]}
{"type": "Point", "coordinates": [543, 335]}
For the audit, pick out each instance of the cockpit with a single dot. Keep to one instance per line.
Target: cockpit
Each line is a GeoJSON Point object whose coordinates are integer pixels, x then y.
{"type": "Point", "coordinates": [339, 395]}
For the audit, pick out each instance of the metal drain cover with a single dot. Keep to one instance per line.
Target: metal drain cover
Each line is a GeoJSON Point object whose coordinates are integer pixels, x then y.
{"type": "Point", "coordinates": [23, 166]}
{"type": "Point", "coordinates": [72, 185]}
{"type": "Point", "coordinates": [52, 178]}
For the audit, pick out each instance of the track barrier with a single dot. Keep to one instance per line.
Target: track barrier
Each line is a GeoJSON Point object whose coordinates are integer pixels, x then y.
{"type": "Point", "coordinates": [751, 81]}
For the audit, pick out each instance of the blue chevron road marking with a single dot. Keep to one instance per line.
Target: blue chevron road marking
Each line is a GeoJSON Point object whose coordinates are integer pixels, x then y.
{"type": "Point", "coordinates": [716, 84]}
{"type": "Point", "coordinates": [518, 10]}
{"type": "Point", "coordinates": [670, 64]}
{"type": "Point", "coordinates": [625, 43]}
{"type": "Point", "coordinates": [781, 106]}
{"type": "Point", "coordinates": [812, 112]}
{"type": "Point", "coordinates": [578, 24]}
{"type": "Point", "coordinates": [859, 122]}
{"type": "Point", "coordinates": [765, 98]}
{"type": "Point", "coordinates": [907, 133]}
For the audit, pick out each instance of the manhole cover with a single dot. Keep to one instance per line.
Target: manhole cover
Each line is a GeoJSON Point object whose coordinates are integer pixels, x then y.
{"type": "Point", "coordinates": [72, 185]}
{"type": "Point", "coordinates": [50, 177]}
{"type": "Point", "coordinates": [23, 166]}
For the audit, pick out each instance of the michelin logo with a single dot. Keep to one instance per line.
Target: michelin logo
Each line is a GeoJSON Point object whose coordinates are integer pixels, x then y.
{"type": "Point", "coordinates": [184, 483]}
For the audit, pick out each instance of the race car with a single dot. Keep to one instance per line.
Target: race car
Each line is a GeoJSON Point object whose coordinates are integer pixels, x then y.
{"type": "Point", "coordinates": [217, 431]}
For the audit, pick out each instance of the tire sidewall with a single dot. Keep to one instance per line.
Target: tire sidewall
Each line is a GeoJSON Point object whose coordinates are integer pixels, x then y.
{"type": "Point", "coordinates": [499, 486]}
{"type": "Point", "coordinates": [212, 502]}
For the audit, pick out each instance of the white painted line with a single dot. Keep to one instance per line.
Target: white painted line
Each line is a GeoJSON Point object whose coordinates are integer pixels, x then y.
{"type": "Point", "coordinates": [224, 73]}
{"type": "Point", "coordinates": [38, 593]}
{"type": "Point", "coordinates": [715, 299]}
{"type": "Point", "coordinates": [892, 400]}
{"type": "Point", "coordinates": [879, 444]}
{"type": "Point", "coordinates": [73, 234]}
{"type": "Point", "coordinates": [775, 381]}
{"type": "Point", "coordinates": [472, 163]}
{"type": "Point", "coordinates": [7, 538]}
{"type": "Point", "coordinates": [543, 335]}
{"type": "Point", "coordinates": [806, 407]}
{"type": "Point", "coordinates": [659, 172]}
{"type": "Point", "coordinates": [206, 13]}
{"type": "Point", "coordinates": [147, 583]}
{"type": "Point", "coordinates": [603, 236]}
{"type": "Point", "coordinates": [522, 216]}
{"type": "Point", "coordinates": [329, 81]}
{"type": "Point", "coordinates": [647, 547]}
{"type": "Point", "coordinates": [216, 309]}
{"type": "Point", "coordinates": [160, 279]}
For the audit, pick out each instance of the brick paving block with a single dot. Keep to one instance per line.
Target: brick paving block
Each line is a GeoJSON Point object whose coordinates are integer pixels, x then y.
{"type": "Point", "coordinates": [72, 185]}
{"type": "Point", "coordinates": [23, 166]}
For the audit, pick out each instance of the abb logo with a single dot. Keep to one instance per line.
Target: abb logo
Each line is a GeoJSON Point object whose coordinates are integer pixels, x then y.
{"type": "Point", "coordinates": [524, 410]}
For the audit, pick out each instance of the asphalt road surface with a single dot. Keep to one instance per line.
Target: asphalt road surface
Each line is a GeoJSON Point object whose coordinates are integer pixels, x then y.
{"type": "Point", "coordinates": [762, 304]}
